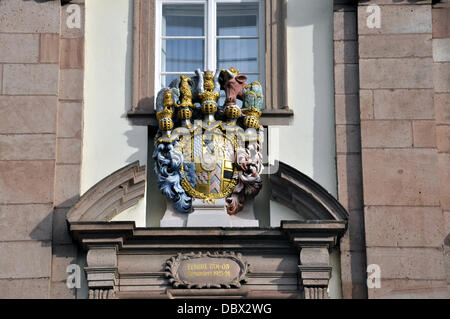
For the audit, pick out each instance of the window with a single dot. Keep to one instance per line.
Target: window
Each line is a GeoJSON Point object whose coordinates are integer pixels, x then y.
{"type": "Point", "coordinates": [173, 37]}
{"type": "Point", "coordinates": [208, 35]}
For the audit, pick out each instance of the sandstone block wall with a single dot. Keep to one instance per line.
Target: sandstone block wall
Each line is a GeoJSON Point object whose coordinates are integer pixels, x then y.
{"type": "Point", "coordinates": [41, 100]}
{"type": "Point", "coordinates": [392, 113]}
{"type": "Point", "coordinates": [402, 71]}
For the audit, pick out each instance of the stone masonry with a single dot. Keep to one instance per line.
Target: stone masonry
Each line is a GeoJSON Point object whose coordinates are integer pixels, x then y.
{"type": "Point", "coordinates": [41, 100]}
{"type": "Point", "coordinates": [348, 148]}
{"type": "Point", "coordinates": [403, 79]}
{"type": "Point", "coordinates": [392, 112]}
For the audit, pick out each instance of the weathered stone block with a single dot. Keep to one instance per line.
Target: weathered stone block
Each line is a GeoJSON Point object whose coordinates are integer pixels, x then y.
{"type": "Point", "coordinates": [49, 48]}
{"type": "Point", "coordinates": [350, 181]}
{"type": "Point", "coordinates": [27, 114]}
{"type": "Point", "coordinates": [400, 177]}
{"type": "Point", "coordinates": [444, 175]}
{"type": "Point", "coordinates": [59, 290]}
{"type": "Point", "coordinates": [26, 182]}
{"type": "Point", "coordinates": [386, 134]}
{"type": "Point", "coordinates": [397, 19]}
{"type": "Point", "coordinates": [71, 18]}
{"type": "Point", "coordinates": [72, 53]}
{"type": "Point", "coordinates": [345, 51]}
{"type": "Point", "coordinates": [67, 185]}
{"type": "Point", "coordinates": [354, 238]}
{"type": "Point", "coordinates": [408, 263]}
{"type": "Point", "coordinates": [346, 109]}
{"type": "Point", "coordinates": [29, 79]}
{"type": "Point", "coordinates": [69, 120]}
{"type": "Point", "coordinates": [26, 222]}
{"type": "Point", "coordinates": [395, 46]}
{"type": "Point", "coordinates": [353, 274]}
{"type": "Point", "coordinates": [441, 50]}
{"type": "Point", "coordinates": [348, 139]}
{"type": "Point", "coordinates": [410, 289]}
{"type": "Point", "coordinates": [404, 104]}
{"type": "Point", "coordinates": [63, 256]}
{"type": "Point", "coordinates": [443, 138]}
{"type": "Point", "coordinates": [26, 259]}
{"type": "Point", "coordinates": [424, 133]}
{"type": "Point", "coordinates": [345, 27]}
{"type": "Point", "coordinates": [441, 21]}
{"type": "Point", "coordinates": [24, 288]}
{"type": "Point", "coordinates": [29, 16]}
{"type": "Point", "coordinates": [442, 106]}
{"type": "Point", "coordinates": [60, 229]}
{"type": "Point", "coordinates": [71, 84]}
{"type": "Point", "coordinates": [69, 151]}
{"type": "Point", "coordinates": [19, 48]}
{"type": "Point", "coordinates": [396, 73]}
{"type": "Point", "coordinates": [404, 226]}
{"type": "Point", "coordinates": [441, 77]}
{"type": "Point", "coordinates": [27, 147]}
{"type": "Point", "coordinates": [346, 79]}
{"type": "Point", "coordinates": [366, 104]}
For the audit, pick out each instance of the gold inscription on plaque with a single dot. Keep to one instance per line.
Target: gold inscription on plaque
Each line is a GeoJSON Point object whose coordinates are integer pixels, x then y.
{"type": "Point", "coordinates": [208, 270]}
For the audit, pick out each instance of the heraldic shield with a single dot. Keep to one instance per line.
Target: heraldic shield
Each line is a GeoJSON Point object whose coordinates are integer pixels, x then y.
{"type": "Point", "coordinates": [204, 150]}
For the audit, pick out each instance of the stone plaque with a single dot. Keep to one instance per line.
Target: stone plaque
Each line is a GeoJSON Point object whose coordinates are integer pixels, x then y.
{"type": "Point", "coordinates": [207, 270]}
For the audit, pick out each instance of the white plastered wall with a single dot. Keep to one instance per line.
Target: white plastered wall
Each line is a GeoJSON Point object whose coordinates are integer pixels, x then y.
{"type": "Point", "coordinates": [109, 141]}
{"type": "Point", "coordinates": [308, 144]}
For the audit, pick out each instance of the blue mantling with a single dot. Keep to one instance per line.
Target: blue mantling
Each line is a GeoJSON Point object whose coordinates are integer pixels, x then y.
{"type": "Point", "coordinates": [168, 161]}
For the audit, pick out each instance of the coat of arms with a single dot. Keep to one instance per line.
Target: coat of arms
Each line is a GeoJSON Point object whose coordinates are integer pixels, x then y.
{"type": "Point", "coordinates": [208, 151]}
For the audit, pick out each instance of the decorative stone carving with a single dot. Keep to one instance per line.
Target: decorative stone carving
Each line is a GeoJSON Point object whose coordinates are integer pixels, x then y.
{"type": "Point", "coordinates": [110, 196]}
{"type": "Point", "coordinates": [101, 294]}
{"type": "Point", "coordinates": [208, 151]}
{"type": "Point", "coordinates": [316, 293]}
{"type": "Point", "coordinates": [314, 239]}
{"type": "Point", "coordinates": [207, 270]}
{"type": "Point", "coordinates": [119, 253]}
{"type": "Point", "coordinates": [101, 271]}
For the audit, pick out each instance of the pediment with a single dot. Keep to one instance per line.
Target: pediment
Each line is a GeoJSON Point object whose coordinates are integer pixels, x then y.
{"type": "Point", "coordinates": [110, 196]}
{"type": "Point", "coordinates": [299, 192]}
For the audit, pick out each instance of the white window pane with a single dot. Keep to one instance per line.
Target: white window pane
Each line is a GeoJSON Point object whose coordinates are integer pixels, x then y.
{"type": "Point", "coordinates": [183, 20]}
{"type": "Point", "coordinates": [237, 19]}
{"type": "Point", "coordinates": [241, 54]}
{"type": "Point", "coordinates": [182, 55]}
{"type": "Point", "coordinates": [253, 77]}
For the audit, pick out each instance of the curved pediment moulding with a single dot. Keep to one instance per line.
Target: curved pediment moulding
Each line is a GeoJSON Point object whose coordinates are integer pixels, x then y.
{"type": "Point", "coordinates": [299, 192]}
{"type": "Point", "coordinates": [110, 196]}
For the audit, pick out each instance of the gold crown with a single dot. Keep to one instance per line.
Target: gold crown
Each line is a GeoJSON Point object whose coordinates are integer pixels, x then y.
{"type": "Point", "coordinates": [234, 71]}
{"type": "Point", "coordinates": [166, 113]}
{"type": "Point", "coordinates": [209, 96]}
{"type": "Point", "coordinates": [253, 111]}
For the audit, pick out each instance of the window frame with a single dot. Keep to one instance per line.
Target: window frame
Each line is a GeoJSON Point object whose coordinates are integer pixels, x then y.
{"type": "Point", "coordinates": [210, 37]}
{"type": "Point", "coordinates": [277, 111]}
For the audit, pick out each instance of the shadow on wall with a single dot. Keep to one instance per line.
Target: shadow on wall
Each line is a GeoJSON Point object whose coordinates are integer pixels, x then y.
{"type": "Point", "coordinates": [135, 133]}
{"type": "Point", "coordinates": [52, 231]}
